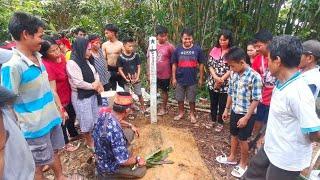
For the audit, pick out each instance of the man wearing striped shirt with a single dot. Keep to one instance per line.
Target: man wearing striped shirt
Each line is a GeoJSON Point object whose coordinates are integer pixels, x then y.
{"type": "Point", "coordinates": [26, 76]}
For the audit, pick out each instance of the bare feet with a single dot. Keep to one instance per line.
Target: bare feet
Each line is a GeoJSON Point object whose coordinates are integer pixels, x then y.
{"type": "Point", "coordinates": [178, 117]}
{"type": "Point", "coordinates": [193, 118]}
{"type": "Point", "coordinates": [70, 147]}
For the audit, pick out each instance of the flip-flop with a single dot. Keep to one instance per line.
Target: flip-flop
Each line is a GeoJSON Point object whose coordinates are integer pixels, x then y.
{"type": "Point", "coordinates": [161, 113]}
{"type": "Point", "coordinates": [218, 128]}
{"type": "Point", "coordinates": [238, 172]}
{"type": "Point", "coordinates": [178, 117]}
{"type": "Point", "coordinates": [193, 120]}
{"type": "Point", "coordinates": [222, 159]}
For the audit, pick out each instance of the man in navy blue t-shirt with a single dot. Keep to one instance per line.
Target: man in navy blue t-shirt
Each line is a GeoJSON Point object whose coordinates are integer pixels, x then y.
{"type": "Point", "coordinates": [186, 60]}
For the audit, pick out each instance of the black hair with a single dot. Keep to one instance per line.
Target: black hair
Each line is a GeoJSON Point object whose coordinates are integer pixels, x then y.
{"type": "Point", "coordinates": [111, 27]}
{"type": "Point", "coordinates": [21, 21]}
{"type": "Point", "coordinates": [235, 54]}
{"type": "Point", "coordinates": [263, 35]}
{"type": "Point", "coordinates": [161, 30]}
{"type": "Point", "coordinates": [93, 37]}
{"type": "Point", "coordinates": [287, 48]}
{"type": "Point", "coordinates": [187, 31]}
{"type": "Point", "coordinates": [45, 46]}
{"type": "Point", "coordinates": [55, 37]}
{"type": "Point", "coordinates": [77, 30]}
{"type": "Point", "coordinates": [119, 108]}
{"type": "Point", "coordinates": [127, 40]}
{"type": "Point", "coordinates": [251, 42]}
{"type": "Point", "coordinates": [226, 33]}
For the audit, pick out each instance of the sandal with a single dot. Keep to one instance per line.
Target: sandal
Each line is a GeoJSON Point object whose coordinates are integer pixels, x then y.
{"type": "Point", "coordinates": [162, 112]}
{"type": "Point", "coordinates": [238, 172]}
{"type": "Point", "coordinates": [178, 117]}
{"type": "Point", "coordinates": [193, 119]}
{"type": "Point", "coordinates": [223, 159]}
{"type": "Point", "coordinates": [70, 147]}
{"type": "Point", "coordinates": [218, 128]}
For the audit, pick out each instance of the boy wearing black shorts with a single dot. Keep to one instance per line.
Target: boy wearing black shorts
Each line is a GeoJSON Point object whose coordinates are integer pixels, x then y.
{"type": "Point", "coordinates": [244, 94]}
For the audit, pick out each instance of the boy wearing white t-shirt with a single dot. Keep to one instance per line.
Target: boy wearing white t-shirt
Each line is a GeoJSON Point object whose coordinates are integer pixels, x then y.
{"type": "Point", "coordinates": [292, 121]}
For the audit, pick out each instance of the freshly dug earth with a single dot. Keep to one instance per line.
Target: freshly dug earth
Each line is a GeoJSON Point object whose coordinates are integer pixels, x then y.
{"type": "Point", "coordinates": [186, 157]}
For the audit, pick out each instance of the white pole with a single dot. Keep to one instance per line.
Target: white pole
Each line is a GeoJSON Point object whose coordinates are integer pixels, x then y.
{"type": "Point", "coordinates": [153, 78]}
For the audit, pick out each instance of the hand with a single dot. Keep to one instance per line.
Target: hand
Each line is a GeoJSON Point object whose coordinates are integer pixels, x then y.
{"type": "Point", "coordinates": [243, 122]}
{"type": "Point", "coordinates": [174, 82]}
{"type": "Point", "coordinates": [142, 161]}
{"type": "Point", "coordinates": [100, 88]}
{"type": "Point", "coordinates": [135, 130]}
{"type": "Point", "coordinates": [218, 80]}
{"type": "Point", "coordinates": [225, 115]}
{"type": "Point", "coordinates": [217, 85]}
{"type": "Point", "coordinates": [200, 83]}
{"type": "Point", "coordinates": [95, 85]}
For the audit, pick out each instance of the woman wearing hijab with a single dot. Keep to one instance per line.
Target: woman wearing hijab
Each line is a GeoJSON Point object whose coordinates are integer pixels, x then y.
{"type": "Point", "coordinates": [85, 85]}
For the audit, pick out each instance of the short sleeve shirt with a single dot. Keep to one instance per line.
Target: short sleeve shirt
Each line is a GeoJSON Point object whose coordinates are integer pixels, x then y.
{"type": "Point", "coordinates": [110, 144]}
{"type": "Point", "coordinates": [58, 72]}
{"type": "Point", "coordinates": [220, 66]}
{"type": "Point", "coordinates": [187, 61]}
{"type": "Point", "coordinates": [292, 117]}
{"type": "Point", "coordinates": [243, 89]}
{"type": "Point", "coordinates": [313, 81]}
{"type": "Point", "coordinates": [260, 64]}
{"type": "Point", "coordinates": [129, 63]}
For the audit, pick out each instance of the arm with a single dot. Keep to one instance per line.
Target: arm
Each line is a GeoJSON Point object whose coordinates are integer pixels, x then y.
{"type": "Point", "coordinates": [201, 69]}
{"type": "Point", "coordinates": [103, 47]}
{"type": "Point", "coordinates": [3, 138]}
{"type": "Point", "coordinates": [61, 109]}
{"type": "Point", "coordinates": [138, 73]}
{"type": "Point", "coordinates": [226, 76]}
{"type": "Point", "coordinates": [227, 109]}
{"type": "Point", "coordinates": [129, 125]}
{"type": "Point", "coordinates": [120, 69]}
{"type": "Point", "coordinates": [174, 70]}
{"type": "Point", "coordinates": [74, 73]}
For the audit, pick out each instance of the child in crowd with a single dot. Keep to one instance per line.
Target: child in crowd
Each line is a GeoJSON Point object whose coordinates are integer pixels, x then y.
{"type": "Point", "coordinates": [308, 65]}
{"type": "Point", "coordinates": [185, 62]}
{"type": "Point", "coordinates": [130, 68]}
{"type": "Point", "coordinates": [260, 65]}
{"type": "Point", "coordinates": [219, 75]}
{"type": "Point", "coordinates": [251, 51]}
{"type": "Point", "coordinates": [244, 94]}
{"type": "Point", "coordinates": [164, 52]}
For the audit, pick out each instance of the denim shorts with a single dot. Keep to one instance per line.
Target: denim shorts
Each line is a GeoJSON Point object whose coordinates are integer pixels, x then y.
{"type": "Point", "coordinates": [43, 148]}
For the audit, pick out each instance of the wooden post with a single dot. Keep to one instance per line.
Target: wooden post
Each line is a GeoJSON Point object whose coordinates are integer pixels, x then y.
{"type": "Point", "coordinates": [153, 78]}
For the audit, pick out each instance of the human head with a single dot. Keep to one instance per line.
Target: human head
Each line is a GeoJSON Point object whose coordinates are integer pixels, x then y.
{"type": "Point", "coordinates": [128, 44]}
{"type": "Point", "coordinates": [95, 41]}
{"type": "Point", "coordinates": [187, 37]}
{"type": "Point", "coordinates": [225, 39]}
{"type": "Point", "coordinates": [80, 32]}
{"type": "Point", "coordinates": [162, 34]}
{"type": "Point", "coordinates": [50, 49]}
{"type": "Point", "coordinates": [262, 39]}
{"type": "Point", "coordinates": [111, 31]}
{"type": "Point", "coordinates": [26, 30]}
{"type": "Point", "coordinates": [122, 103]}
{"type": "Point", "coordinates": [236, 58]}
{"type": "Point", "coordinates": [251, 50]}
{"type": "Point", "coordinates": [310, 54]}
{"type": "Point", "coordinates": [81, 50]}
{"type": "Point", "coordinates": [284, 53]}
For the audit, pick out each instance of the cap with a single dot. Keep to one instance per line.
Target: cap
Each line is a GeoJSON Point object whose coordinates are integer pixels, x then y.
{"type": "Point", "coordinates": [5, 55]}
{"type": "Point", "coordinates": [123, 99]}
{"type": "Point", "coordinates": [311, 47]}
{"type": "Point", "coordinates": [6, 96]}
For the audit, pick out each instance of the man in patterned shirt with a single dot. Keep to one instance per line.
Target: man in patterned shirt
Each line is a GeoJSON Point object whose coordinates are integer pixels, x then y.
{"type": "Point", "coordinates": [111, 142]}
{"type": "Point", "coordinates": [244, 94]}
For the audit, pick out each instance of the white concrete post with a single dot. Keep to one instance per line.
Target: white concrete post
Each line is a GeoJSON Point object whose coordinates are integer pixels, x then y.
{"type": "Point", "coordinates": [153, 78]}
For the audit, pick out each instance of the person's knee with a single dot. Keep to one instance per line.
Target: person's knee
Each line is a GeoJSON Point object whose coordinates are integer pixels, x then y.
{"type": "Point", "coordinates": [141, 172]}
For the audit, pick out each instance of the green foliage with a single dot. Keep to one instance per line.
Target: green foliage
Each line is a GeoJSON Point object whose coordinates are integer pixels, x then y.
{"type": "Point", "coordinates": [138, 18]}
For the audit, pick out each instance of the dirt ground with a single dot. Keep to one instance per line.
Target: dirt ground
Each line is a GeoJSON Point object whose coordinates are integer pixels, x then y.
{"type": "Point", "coordinates": [195, 147]}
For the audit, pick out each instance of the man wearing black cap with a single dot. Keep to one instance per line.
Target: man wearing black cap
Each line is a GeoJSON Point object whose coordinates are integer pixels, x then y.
{"type": "Point", "coordinates": [111, 142]}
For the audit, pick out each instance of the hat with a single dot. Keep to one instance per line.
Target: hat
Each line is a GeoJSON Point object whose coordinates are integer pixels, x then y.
{"type": "Point", "coordinates": [6, 96]}
{"type": "Point", "coordinates": [5, 55]}
{"type": "Point", "coordinates": [123, 99]}
{"type": "Point", "coordinates": [311, 47]}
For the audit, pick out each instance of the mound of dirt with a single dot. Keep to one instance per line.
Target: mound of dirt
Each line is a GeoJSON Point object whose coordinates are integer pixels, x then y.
{"type": "Point", "coordinates": [188, 163]}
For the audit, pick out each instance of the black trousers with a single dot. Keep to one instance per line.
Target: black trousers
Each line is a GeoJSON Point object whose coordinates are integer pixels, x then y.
{"type": "Point", "coordinates": [261, 168]}
{"type": "Point", "coordinates": [69, 125]}
{"type": "Point", "coordinates": [115, 77]}
{"type": "Point", "coordinates": [217, 104]}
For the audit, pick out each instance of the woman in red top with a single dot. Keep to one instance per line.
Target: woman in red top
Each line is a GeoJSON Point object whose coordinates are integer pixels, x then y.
{"type": "Point", "coordinates": [55, 64]}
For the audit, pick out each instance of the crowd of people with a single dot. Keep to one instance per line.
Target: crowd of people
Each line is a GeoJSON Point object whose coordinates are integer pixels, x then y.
{"type": "Point", "coordinates": [49, 83]}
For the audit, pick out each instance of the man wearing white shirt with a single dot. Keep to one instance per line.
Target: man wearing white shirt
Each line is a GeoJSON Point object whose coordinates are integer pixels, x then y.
{"type": "Point", "coordinates": [292, 122]}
